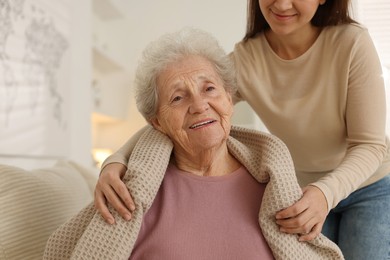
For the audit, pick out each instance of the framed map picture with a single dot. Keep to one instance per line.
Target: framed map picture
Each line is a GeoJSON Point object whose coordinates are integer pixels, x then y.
{"type": "Point", "coordinates": [34, 78]}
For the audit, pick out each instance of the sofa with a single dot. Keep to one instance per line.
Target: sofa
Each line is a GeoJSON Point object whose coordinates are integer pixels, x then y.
{"type": "Point", "coordinates": [33, 203]}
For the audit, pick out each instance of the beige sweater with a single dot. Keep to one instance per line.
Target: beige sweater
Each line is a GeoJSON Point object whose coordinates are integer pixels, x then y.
{"type": "Point", "coordinates": [87, 236]}
{"type": "Point", "coordinates": [327, 105]}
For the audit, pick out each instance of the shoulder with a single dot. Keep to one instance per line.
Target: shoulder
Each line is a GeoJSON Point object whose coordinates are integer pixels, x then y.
{"type": "Point", "coordinates": [260, 153]}
{"type": "Point", "coordinates": [248, 45]}
{"type": "Point", "coordinates": [258, 140]}
{"type": "Point", "coordinates": [249, 53]}
{"type": "Point", "coordinates": [356, 39]}
{"type": "Point", "coordinates": [345, 32]}
{"type": "Point", "coordinates": [346, 40]}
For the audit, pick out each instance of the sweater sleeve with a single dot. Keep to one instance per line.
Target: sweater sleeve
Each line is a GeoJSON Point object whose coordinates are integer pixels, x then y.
{"type": "Point", "coordinates": [123, 154]}
{"type": "Point", "coordinates": [365, 116]}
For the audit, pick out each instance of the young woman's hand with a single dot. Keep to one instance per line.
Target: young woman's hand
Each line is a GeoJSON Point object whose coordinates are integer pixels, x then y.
{"type": "Point", "coordinates": [306, 217]}
{"type": "Point", "coordinates": [111, 189]}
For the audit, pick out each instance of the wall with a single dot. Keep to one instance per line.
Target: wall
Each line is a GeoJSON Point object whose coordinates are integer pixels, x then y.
{"type": "Point", "coordinates": [45, 82]}
{"type": "Point", "coordinates": [80, 112]}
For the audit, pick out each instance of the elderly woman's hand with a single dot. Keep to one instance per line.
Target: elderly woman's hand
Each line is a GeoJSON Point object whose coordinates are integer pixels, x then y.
{"type": "Point", "coordinates": [110, 188]}
{"type": "Point", "coordinates": [306, 217]}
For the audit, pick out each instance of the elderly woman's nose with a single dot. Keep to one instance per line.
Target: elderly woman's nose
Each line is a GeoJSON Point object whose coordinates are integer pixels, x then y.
{"type": "Point", "coordinates": [198, 105]}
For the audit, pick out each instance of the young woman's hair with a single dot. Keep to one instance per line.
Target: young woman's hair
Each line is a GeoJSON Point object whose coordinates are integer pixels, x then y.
{"type": "Point", "coordinates": [332, 12]}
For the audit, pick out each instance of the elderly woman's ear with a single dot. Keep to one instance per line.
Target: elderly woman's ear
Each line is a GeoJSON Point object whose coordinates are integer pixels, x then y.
{"type": "Point", "coordinates": [156, 124]}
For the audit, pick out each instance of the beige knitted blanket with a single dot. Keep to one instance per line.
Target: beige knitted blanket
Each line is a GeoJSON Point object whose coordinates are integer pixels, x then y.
{"type": "Point", "coordinates": [87, 236]}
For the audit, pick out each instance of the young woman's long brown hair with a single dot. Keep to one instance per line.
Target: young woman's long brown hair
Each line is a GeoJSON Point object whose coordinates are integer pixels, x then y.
{"type": "Point", "coordinates": [332, 12]}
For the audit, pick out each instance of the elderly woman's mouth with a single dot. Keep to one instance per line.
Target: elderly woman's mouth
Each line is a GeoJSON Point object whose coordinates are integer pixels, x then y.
{"type": "Point", "coordinates": [197, 125]}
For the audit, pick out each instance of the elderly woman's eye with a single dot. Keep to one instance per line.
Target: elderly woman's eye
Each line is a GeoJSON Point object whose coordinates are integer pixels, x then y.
{"type": "Point", "coordinates": [210, 88]}
{"type": "Point", "coordinates": [177, 98]}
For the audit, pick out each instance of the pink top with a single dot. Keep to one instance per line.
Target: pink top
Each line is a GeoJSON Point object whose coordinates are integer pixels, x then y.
{"type": "Point", "coordinates": [196, 217]}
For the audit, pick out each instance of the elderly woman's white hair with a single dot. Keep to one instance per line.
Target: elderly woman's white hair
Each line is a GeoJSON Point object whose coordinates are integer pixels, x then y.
{"type": "Point", "coordinates": [172, 47]}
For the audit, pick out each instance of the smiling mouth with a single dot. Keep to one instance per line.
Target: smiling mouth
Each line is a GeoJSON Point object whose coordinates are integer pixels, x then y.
{"type": "Point", "coordinates": [283, 16]}
{"type": "Point", "coordinates": [202, 124]}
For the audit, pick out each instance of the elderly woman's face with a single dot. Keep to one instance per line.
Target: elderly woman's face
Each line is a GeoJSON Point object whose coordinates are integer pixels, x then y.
{"type": "Point", "coordinates": [194, 109]}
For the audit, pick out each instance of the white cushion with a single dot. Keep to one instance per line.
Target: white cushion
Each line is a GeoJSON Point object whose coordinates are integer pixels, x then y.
{"type": "Point", "coordinates": [34, 203]}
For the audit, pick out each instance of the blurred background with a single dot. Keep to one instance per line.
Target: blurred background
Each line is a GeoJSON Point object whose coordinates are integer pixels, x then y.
{"type": "Point", "coordinates": [66, 69]}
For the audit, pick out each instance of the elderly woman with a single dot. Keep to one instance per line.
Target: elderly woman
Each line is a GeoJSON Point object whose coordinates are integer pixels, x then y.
{"type": "Point", "coordinates": [198, 183]}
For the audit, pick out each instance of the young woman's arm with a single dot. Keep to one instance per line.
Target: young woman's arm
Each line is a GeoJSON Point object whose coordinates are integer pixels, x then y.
{"type": "Point", "coordinates": [110, 188]}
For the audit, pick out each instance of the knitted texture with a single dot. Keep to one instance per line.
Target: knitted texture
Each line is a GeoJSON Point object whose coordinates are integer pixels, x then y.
{"type": "Point", "coordinates": [87, 236]}
{"type": "Point", "coordinates": [268, 160]}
